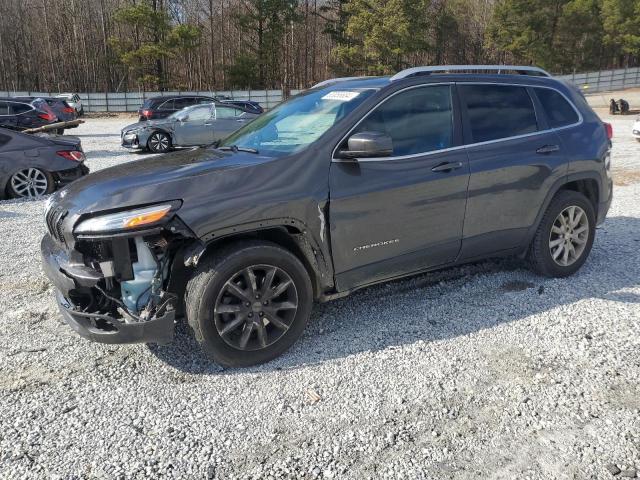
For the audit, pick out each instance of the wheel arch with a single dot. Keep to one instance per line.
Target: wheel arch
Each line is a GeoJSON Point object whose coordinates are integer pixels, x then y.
{"type": "Point", "coordinates": [289, 234]}
{"type": "Point", "coordinates": [159, 130]}
{"type": "Point", "coordinates": [587, 183]}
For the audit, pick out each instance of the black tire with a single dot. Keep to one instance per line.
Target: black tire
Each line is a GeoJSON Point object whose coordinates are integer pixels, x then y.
{"type": "Point", "coordinates": [15, 190]}
{"type": "Point", "coordinates": [207, 286]}
{"type": "Point", "coordinates": [159, 142]}
{"type": "Point", "coordinates": [81, 112]}
{"type": "Point", "coordinates": [540, 251]}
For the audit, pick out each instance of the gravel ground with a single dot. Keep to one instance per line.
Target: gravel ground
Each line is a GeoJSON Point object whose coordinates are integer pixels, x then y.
{"type": "Point", "coordinates": [485, 371]}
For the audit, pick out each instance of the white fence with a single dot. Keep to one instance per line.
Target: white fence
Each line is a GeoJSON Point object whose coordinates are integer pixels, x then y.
{"type": "Point", "coordinates": [131, 101]}
{"type": "Point", "coordinates": [592, 82]}
{"type": "Point", "coordinates": [605, 80]}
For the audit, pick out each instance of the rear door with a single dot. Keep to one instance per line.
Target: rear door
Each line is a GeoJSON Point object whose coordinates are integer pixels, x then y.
{"type": "Point", "coordinates": [514, 159]}
{"type": "Point", "coordinates": [228, 119]}
{"type": "Point", "coordinates": [195, 129]}
{"type": "Point", "coordinates": [395, 215]}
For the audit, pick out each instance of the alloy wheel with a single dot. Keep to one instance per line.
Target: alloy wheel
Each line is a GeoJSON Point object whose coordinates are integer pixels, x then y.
{"type": "Point", "coordinates": [159, 142]}
{"type": "Point", "coordinates": [569, 235]}
{"type": "Point", "coordinates": [256, 307]}
{"type": "Point", "coordinates": [30, 183]}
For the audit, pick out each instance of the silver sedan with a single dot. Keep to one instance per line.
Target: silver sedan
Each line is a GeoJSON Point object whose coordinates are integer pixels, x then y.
{"type": "Point", "coordinates": [192, 126]}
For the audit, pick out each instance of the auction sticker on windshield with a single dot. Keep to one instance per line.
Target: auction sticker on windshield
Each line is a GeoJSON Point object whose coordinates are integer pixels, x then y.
{"type": "Point", "coordinates": [341, 95]}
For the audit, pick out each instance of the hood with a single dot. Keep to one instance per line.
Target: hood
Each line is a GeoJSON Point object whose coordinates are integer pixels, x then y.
{"type": "Point", "coordinates": [172, 176]}
{"type": "Point", "coordinates": [148, 123]}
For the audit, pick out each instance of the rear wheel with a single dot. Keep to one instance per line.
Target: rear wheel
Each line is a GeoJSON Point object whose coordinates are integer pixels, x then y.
{"type": "Point", "coordinates": [565, 235]}
{"type": "Point", "coordinates": [248, 303]}
{"type": "Point", "coordinates": [159, 142]}
{"type": "Point", "coordinates": [30, 183]}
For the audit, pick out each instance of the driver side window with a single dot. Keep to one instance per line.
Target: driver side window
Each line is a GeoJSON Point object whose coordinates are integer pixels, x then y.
{"type": "Point", "coordinates": [418, 120]}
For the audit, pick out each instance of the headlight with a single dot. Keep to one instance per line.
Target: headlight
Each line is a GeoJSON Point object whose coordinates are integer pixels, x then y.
{"type": "Point", "coordinates": [126, 220]}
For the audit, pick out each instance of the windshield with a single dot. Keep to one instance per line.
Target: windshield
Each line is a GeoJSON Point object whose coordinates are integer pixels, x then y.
{"type": "Point", "coordinates": [295, 124]}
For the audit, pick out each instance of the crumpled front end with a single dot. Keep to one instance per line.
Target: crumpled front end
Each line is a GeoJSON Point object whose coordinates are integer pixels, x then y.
{"type": "Point", "coordinates": [115, 287]}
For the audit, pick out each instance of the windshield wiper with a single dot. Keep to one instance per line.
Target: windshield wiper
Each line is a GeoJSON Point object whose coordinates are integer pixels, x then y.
{"type": "Point", "coordinates": [235, 148]}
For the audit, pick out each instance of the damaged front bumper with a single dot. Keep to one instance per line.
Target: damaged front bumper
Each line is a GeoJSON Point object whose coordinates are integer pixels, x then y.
{"type": "Point", "coordinates": [70, 276]}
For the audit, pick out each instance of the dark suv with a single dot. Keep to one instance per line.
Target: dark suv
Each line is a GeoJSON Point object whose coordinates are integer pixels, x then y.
{"type": "Point", "coordinates": [353, 183]}
{"type": "Point", "coordinates": [162, 107]}
{"type": "Point", "coordinates": [22, 115]}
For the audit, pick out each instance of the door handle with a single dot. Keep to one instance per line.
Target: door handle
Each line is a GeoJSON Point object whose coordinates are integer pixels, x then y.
{"type": "Point", "coordinates": [548, 149]}
{"type": "Point", "coordinates": [447, 167]}
{"type": "Point", "coordinates": [241, 120]}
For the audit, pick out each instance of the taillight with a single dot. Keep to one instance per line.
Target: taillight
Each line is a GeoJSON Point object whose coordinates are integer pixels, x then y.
{"type": "Point", "coordinates": [74, 155]}
{"type": "Point", "coordinates": [47, 116]}
{"type": "Point", "coordinates": [609, 129]}
{"type": "Point", "coordinates": [146, 113]}
{"type": "Point", "coordinates": [68, 110]}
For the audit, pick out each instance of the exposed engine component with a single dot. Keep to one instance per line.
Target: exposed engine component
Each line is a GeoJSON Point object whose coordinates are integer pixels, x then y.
{"type": "Point", "coordinates": [136, 292]}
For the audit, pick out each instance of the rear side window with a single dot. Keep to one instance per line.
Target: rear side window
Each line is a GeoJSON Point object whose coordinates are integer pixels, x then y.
{"type": "Point", "coordinates": [4, 108]}
{"type": "Point", "coordinates": [227, 112]}
{"type": "Point", "coordinates": [180, 103]}
{"type": "Point", "coordinates": [498, 111]}
{"type": "Point", "coordinates": [17, 108]}
{"type": "Point", "coordinates": [418, 120]}
{"type": "Point", "coordinates": [559, 112]}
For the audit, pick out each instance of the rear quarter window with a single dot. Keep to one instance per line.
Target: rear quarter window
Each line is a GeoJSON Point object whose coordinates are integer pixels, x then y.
{"type": "Point", "coordinates": [498, 111]}
{"type": "Point", "coordinates": [4, 108]}
{"type": "Point", "coordinates": [17, 108]}
{"type": "Point", "coordinates": [559, 111]}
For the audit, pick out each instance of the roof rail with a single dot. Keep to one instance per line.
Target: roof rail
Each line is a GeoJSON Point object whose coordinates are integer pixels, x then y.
{"type": "Point", "coordinates": [499, 69]}
{"type": "Point", "coordinates": [336, 80]}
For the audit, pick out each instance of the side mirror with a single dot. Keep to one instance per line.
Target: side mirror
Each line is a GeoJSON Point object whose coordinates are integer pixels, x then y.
{"type": "Point", "coordinates": [183, 119]}
{"type": "Point", "coordinates": [368, 145]}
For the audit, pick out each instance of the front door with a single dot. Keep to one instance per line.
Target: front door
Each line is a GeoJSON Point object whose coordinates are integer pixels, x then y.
{"type": "Point", "coordinates": [195, 128]}
{"type": "Point", "coordinates": [395, 215]}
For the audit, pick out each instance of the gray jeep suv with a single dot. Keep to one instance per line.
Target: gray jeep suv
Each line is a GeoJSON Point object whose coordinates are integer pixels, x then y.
{"type": "Point", "coordinates": [354, 182]}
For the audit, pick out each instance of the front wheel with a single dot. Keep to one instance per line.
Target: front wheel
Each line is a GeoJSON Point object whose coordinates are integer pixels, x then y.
{"type": "Point", "coordinates": [249, 303]}
{"type": "Point", "coordinates": [159, 142]}
{"type": "Point", "coordinates": [565, 235]}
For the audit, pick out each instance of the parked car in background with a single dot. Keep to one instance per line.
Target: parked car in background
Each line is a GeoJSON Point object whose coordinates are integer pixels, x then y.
{"type": "Point", "coordinates": [21, 115]}
{"type": "Point", "coordinates": [247, 105]}
{"type": "Point", "coordinates": [59, 106]}
{"type": "Point", "coordinates": [341, 187]}
{"type": "Point", "coordinates": [35, 165]}
{"type": "Point", "coordinates": [161, 107]}
{"type": "Point", "coordinates": [191, 126]}
{"type": "Point", "coordinates": [74, 101]}
{"type": "Point", "coordinates": [635, 131]}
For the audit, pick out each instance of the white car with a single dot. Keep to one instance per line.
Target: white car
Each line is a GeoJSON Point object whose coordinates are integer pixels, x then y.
{"type": "Point", "coordinates": [73, 99]}
{"type": "Point", "coordinates": [636, 129]}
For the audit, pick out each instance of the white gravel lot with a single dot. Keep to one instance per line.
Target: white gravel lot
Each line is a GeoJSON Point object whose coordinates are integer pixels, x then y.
{"type": "Point", "coordinates": [485, 371]}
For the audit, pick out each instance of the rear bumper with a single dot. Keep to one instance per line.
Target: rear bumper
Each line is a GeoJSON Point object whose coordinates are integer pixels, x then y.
{"type": "Point", "coordinates": [603, 208]}
{"type": "Point", "coordinates": [69, 277]}
{"type": "Point", "coordinates": [63, 177]}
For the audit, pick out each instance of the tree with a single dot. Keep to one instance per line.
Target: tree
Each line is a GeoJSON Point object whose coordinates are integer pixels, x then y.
{"type": "Point", "coordinates": [621, 23]}
{"type": "Point", "coordinates": [263, 27]}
